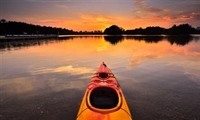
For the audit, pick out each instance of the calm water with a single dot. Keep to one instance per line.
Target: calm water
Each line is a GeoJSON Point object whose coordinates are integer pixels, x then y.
{"type": "Point", "coordinates": [46, 79]}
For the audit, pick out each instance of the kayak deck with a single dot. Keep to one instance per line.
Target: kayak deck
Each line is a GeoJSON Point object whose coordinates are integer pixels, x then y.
{"type": "Point", "coordinates": [103, 99]}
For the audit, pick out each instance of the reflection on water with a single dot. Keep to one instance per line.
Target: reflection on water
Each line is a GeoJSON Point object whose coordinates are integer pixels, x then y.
{"type": "Point", "coordinates": [179, 40]}
{"type": "Point", "coordinates": [68, 69]}
{"type": "Point", "coordinates": [20, 43]}
{"type": "Point", "coordinates": [147, 39]}
{"type": "Point", "coordinates": [46, 80]}
{"type": "Point", "coordinates": [114, 39]}
{"type": "Point", "coordinates": [17, 44]}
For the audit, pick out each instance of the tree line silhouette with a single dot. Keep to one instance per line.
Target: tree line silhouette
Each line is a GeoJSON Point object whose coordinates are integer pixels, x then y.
{"type": "Point", "coordinates": [13, 27]}
{"type": "Point", "coordinates": [183, 29]}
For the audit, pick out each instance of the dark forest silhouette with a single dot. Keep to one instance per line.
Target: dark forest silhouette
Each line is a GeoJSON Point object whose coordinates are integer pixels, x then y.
{"type": "Point", "coordinates": [183, 29]}
{"type": "Point", "coordinates": [114, 30]}
{"type": "Point", "coordinates": [13, 27]}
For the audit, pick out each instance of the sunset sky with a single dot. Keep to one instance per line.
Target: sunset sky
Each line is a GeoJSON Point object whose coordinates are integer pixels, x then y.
{"type": "Point", "coordinates": [99, 14]}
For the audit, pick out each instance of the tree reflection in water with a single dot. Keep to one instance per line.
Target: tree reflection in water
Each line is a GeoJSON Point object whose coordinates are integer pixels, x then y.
{"type": "Point", "coordinates": [112, 39]}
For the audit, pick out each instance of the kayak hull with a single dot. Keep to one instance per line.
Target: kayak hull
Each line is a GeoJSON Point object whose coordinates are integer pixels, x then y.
{"type": "Point", "coordinates": [103, 99]}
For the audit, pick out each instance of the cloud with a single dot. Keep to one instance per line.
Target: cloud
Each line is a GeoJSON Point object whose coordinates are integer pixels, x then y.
{"type": "Point", "coordinates": [40, 20]}
{"type": "Point", "coordinates": [196, 16]}
{"type": "Point", "coordinates": [142, 8]}
{"type": "Point", "coordinates": [166, 13]}
{"type": "Point", "coordinates": [49, 1]}
{"type": "Point", "coordinates": [96, 21]}
{"type": "Point", "coordinates": [97, 18]}
{"type": "Point", "coordinates": [62, 6]}
{"type": "Point", "coordinates": [182, 17]}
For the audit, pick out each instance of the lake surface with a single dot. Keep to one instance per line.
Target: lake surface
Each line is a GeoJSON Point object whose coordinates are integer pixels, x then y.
{"type": "Point", "coordinates": [46, 79]}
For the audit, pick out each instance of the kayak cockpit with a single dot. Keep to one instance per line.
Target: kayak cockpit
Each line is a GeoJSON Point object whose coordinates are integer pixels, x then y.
{"type": "Point", "coordinates": [104, 99]}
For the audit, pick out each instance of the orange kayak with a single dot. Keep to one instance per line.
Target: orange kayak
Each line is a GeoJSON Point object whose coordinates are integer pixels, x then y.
{"type": "Point", "coordinates": [103, 99]}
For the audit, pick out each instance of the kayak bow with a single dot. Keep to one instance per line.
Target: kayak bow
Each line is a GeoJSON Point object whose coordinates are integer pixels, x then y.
{"type": "Point", "coordinates": [103, 99]}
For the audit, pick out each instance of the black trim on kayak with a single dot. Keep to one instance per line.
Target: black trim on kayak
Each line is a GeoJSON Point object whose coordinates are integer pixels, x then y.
{"type": "Point", "coordinates": [126, 112]}
{"type": "Point", "coordinates": [81, 112]}
{"type": "Point", "coordinates": [103, 75]}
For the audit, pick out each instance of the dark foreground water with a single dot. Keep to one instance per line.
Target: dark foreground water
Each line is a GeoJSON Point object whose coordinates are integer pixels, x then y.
{"type": "Point", "coordinates": [46, 79]}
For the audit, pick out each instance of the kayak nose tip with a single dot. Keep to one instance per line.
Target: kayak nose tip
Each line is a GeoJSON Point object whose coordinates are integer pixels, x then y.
{"type": "Point", "coordinates": [103, 64]}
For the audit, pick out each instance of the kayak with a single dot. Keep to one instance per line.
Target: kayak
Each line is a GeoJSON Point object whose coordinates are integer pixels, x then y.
{"type": "Point", "coordinates": [103, 98]}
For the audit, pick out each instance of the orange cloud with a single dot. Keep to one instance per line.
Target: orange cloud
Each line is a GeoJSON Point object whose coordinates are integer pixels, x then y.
{"type": "Point", "coordinates": [96, 21]}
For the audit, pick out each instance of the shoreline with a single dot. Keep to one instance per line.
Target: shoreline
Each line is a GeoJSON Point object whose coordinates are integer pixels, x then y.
{"type": "Point", "coordinates": [49, 36]}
